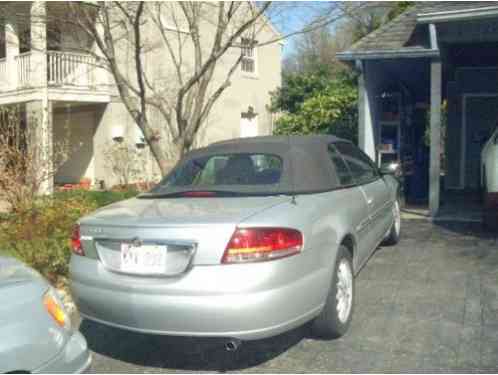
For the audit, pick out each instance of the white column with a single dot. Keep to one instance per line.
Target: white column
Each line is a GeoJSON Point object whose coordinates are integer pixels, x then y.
{"type": "Point", "coordinates": [366, 133]}
{"type": "Point", "coordinates": [39, 116]}
{"type": "Point", "coordinates": [38, 71]}
{"type": "Point", "coordinates": [12, 50]}
{"type": "Point", "coordinates": [435, 122]}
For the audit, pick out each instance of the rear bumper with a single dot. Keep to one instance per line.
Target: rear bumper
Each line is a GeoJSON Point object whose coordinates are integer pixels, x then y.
{"type": "Point", "coordinates": [246, 302]}
{"type": "Point", "coordinates": [74, 358]}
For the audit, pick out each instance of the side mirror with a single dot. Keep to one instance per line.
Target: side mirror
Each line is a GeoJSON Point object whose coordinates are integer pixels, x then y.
{"type": "Point", "coordinates": [392, 168]}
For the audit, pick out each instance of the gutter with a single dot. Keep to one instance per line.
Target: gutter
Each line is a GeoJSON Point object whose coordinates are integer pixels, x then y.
{"type": "Point", "coordinates": [387, 54]}
{"type": "Point", "coordinates": [456, 15]}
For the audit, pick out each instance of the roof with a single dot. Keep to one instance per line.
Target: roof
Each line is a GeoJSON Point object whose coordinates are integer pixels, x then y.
{"type": "Point", "coordinates": [284, 139]}
{"type": "Point", "coordinates": [306, 164]}
{"type": "Point", "coordinates": [405, 35]}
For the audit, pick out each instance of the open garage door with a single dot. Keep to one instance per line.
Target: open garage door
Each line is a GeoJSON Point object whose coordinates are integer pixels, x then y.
{"type": "Point", "coordinates": [480, 116]}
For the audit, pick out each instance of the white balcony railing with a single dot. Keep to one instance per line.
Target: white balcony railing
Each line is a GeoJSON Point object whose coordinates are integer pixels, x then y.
{"type": "Point", "coordinates": [23, 62]}
{"type": "Point", "coordinates": [70, 68]}
{"type": "Point", "coordinates": [63, 69]}
{"type": "Point", "coordinates": [3, 72]}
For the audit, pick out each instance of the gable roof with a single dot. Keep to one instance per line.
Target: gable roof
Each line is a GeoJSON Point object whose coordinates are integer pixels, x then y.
{"type": "Point", "coordinates": [404, 36]}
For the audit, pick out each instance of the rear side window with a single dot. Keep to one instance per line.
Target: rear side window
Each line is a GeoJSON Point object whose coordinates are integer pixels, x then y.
{"type": "Point", "coordinates": [228, 169]}
{"type": "Point", "coordinates": [362, 168]}
{"type": "Point", "coordinates": [341, 169]}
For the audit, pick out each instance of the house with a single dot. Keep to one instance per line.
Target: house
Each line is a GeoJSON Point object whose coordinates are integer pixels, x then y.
{"type": "Point", "coordinates": [434, 54]}
{"type": "Point", "coordinates": [48, 67]}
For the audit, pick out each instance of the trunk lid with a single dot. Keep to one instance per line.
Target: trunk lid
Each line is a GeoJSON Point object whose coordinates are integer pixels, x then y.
{"type": "Point", "coordinates": [194, 230]}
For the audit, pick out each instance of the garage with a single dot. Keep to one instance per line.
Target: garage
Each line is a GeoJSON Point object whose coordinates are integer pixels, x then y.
{"type": "Point", "coordinates": [428, 100]}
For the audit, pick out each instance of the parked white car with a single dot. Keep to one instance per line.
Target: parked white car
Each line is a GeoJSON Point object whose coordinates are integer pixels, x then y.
{"type": "Point", "coordinates": [489, 180]}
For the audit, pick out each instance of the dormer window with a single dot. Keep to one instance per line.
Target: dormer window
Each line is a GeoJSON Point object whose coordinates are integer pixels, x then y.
{"type": "Point", "coordinates": [248, 62]}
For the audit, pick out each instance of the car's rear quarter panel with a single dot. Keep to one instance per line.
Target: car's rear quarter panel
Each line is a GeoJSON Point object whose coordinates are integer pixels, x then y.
{"type": "Point", "coordinates": [29, 336]}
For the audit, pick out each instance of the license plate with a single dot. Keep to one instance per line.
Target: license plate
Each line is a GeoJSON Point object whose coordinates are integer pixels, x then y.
{"type": "Point", "coordinates": [144, 259]}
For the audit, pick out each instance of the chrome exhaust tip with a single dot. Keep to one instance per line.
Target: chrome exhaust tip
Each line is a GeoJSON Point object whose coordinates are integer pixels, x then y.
{"type": "Point", "coordinates": [232, 345]}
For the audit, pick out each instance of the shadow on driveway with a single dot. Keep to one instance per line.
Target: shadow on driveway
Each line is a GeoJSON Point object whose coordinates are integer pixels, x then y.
{"type": "Point", "coordinates": [185, 353]}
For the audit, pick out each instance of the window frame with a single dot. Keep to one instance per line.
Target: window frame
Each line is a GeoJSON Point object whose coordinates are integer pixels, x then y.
{"type": "Point", "coordinates": [331, 147]}
{"type": "Point", "coordinates": [213, 186]}
{"type": "Point", "coordinates": [376, 176]}
{"type": "Point", "coordinates": [254, 56]}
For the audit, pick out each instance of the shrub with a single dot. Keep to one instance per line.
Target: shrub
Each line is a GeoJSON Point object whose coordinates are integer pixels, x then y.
{"type": "Point", "coordinates": [99, 198]}
{"type": "Point", "coordinates": [40, 236]}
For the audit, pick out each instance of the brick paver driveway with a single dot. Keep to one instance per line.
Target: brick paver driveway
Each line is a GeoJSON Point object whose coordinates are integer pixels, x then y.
{"type": "Point", "coordinates": [428, 304]}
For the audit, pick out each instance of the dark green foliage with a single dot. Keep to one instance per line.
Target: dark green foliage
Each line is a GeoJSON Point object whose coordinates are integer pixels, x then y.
{"type": "Point", "coordinates": [317, 103]}
{"type": "Point", "coordinates": [398, 8]}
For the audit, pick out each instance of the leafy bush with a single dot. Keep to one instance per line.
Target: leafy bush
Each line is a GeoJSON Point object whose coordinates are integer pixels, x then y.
{"type": "Point", "coordinates": [100, 198]}
{"type": "Point", "coordinates": [40, 236]}
{"type": "Point", "coordinates": [326, 105]}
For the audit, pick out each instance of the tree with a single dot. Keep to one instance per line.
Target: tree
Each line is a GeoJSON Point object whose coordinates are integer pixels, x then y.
{"type": "Point", "coordinates": [182, 97]}
{"type": "Point", "coordinates": [171, 61]}
{"type": "Point", "coordinates": [319, 93]}
{"type": "Point", "coordinates": [331, 109]}
{"type": "Point", "coordinates": [20, 158]}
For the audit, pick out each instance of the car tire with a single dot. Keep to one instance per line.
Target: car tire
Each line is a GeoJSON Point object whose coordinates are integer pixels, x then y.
{"type": "Point", "coordinates": [395, 231]}
{"type": "Point", "coordinates": [335, 318]}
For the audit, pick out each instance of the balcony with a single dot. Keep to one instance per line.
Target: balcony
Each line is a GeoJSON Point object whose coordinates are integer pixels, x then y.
{"type": "Point", "coordinates": [63, 69]}
{"type": "Point", "coordinates": [70, 74]}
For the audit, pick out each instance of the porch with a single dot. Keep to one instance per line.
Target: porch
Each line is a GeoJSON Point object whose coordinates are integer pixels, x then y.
{"type": "Point", "coordinates": [63, 68]}
{"type": "Point", "coordinates": [39, 51]}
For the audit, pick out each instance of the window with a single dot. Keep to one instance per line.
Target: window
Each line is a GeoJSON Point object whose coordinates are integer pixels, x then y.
{"type": "Point", "coordinates": [341, 169]}
{"type": "Point", "coordinates": [229, 169]}
{"type": "Point", "coordinates": [362, 168]}
{"type": "Point", "coordinates": [248, 62]}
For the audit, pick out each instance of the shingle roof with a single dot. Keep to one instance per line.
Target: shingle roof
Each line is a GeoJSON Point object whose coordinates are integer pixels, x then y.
{"type": "Point", "coordinates": [404, 34]}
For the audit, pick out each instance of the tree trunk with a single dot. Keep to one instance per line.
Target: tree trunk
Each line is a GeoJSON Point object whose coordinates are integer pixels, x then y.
{"type": "Point", "coordinates": [162, 159]}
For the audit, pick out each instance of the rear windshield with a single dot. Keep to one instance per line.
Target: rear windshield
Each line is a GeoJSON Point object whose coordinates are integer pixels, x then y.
{"type": "Point", "coordinates": [237, 172]}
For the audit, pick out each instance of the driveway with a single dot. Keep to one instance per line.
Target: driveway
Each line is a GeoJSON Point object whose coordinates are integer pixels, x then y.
{"type": "Point", "coordinates": [428, 304]}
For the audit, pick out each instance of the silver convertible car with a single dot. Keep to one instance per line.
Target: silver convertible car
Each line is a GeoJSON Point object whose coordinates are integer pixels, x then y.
{"type": "Point", "coordinates": [35, 331]}
{"type": "Point", "coordinates": [244, 239]}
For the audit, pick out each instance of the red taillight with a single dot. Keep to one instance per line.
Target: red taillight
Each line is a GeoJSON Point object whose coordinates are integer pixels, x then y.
{"type": "Point", "coordinates": [76, 241]}
{"type": "Point", "coordinates": [258, 244]}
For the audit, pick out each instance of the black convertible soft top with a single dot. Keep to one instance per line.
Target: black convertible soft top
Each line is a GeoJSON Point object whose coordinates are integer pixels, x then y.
{"type": "Point", "coordinates": [307, 166]}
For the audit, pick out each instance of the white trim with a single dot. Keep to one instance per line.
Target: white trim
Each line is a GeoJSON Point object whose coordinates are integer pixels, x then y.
{"type": "Point", "coordinates": [387, 54]}
{"type": "Point", "coordinates": [433, 36]}
{"type": "Point", "coordinates": [463, 150]}
{"type": "Point", "coordinates": [456, 15]}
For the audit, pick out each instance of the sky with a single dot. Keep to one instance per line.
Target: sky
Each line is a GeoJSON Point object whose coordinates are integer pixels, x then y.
{"type": "Point", "coordinates": [288, 17]}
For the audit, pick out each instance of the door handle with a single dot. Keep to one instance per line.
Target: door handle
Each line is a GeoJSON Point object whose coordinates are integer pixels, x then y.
{"type": "Point", "coordinates": [370, 201]}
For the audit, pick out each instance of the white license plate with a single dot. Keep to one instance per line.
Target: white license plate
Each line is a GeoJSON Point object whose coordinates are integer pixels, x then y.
{"type": "Point", "coordinates": [144, 259]}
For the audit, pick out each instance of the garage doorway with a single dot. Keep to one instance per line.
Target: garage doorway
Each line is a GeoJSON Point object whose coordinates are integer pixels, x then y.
{"type": "Point", "coordinates": [480, 113]}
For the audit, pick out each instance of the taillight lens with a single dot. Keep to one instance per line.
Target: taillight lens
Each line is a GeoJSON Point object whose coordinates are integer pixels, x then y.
{"type": "Point", "coordinates": [76, 241]}
{"type": "Point", "coordinates": [56, 309]}
{"type": "Point", "coordinates": [260, 244]}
